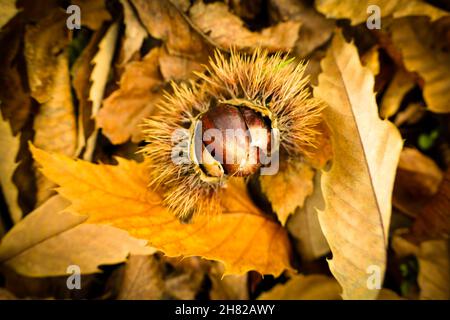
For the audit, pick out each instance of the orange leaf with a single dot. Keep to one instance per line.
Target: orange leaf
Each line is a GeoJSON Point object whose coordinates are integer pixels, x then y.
{"type": "Point", "coordinates": [242, 238]}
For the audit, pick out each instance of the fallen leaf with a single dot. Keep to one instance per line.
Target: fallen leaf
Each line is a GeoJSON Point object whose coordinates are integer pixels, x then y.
{"type": "Point", "coordinates": [322, 152]}
{"type": "Point", "coordinates": [417, 180]}
{"type": "Point", "coordinates": [434, 220]}
{"type": "Point", "coordinates": [48, 73]}
{"type": "Point", "coordinates": [288, 189]}
{"type": "Point", "coordinates": [434, 270]}
{"type": "Point", "coordinates": [15, 96]}
{"type": "Point", "coordinates": [93, 13]}
{"type": "Point", "coordinates": [125, 108]}
{"type": "Point", "coordinates": [305, 228]}
{"type": "Point", "coordinates": [434, 264]}
{"type": "Point", "coordinates": [7, 11]}
{"type": "Point", "coordinates": [177, 68]}
{"type": "Point", "coordinates": [400, 85]}
{"type": "Point", "coordinates": [51, 238]}
{"type": "Point", "coordinates": [424, 53]}
{"type": "Point", "coordinates": [357, 10]}
{"type": "Point", "coordinates": [135, 33]}
{"type": "Point", "coordinates": [315, 28]}
{"type": "Point", "coordinates": [242, 238]}
{"type": "Point", "coordinates": [230, 287]}
{"type": "Point", "coordinates": [366, 151]}
{"type": "Point", "coordinates": [228, 30]}
{"type": "Point", "coordinates": [142, 279]}
{"type": "Point", "coordinates": [371, 60]}
{"type": "Point", "coordinates": [10, 148]}
{"type": "Point", "coordinates": [81, 74]}
{"type": "Point", "coordinates": [102, 65]}
{"type": "Point", "coordinates": [310, 287]}
{"type": "Point", "coordinates": [171, 27]}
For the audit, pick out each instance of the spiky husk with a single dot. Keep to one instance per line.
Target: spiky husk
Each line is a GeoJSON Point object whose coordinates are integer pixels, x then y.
{"type": "Point", "coordinates": [274, 82]}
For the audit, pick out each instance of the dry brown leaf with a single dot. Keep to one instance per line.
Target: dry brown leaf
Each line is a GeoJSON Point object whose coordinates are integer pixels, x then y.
{"type": "Point", "coordinates": [93, 13]}
{"type": "Point", "coordinates": [171, 27]}
{"type": "Point", "coordinates": [434, 220]}
{"type": "Point", "coordinates": [242, 238]}
{"type": "Point", "coordinates": [15, 101]}
{"type": "Point", "coordinates": [315, 28]}
{"type": "Point", "coordinates": [366, 152]}
{"type": "Point", "coordinates": [310, 287]}
{"type": "Point", "coordinates": [177, 68]}
{"type": "Point", "coordinates": [51, 238]}
{"type": "Point", "coordinates": [288, 189]}
{"type": "Point", "coordinates": [230, 287]}
{"type": "Point", "coordinates": [228, 30]}
{"type": "Point", "coordinates": [142, 279]}
{"type": "Point", "coordinates": [125, 108]}
{"type": "Point", "coordinates": [434, 270]}
{"type": "Point", "coordinates": [423, 52]}
{"type": "Point", "coordinates": [417, 180]}
{"type": "Point", "coordinates": [10, 148]}
{"type": "Point", "coordinates": [81, 73]}
{"type": "Point", "coordinates": [102, 65]}
{"type": "Point", "coordinates": [135, 33]}
{"type": "Point", "coordinates": [48, 73]}
{"type": "Point", "coordinates": [400, 85]}
{"type": "Point", "coordinates": [7, 11]}
{"type": "Point", "coordinates": [356, 10]}
{"type": "Point", "coordinates": [305, 228]}
{"type": "Point", "coordinates": [434, 264]}
{"type": "Point", "coordinates": [322, 152]}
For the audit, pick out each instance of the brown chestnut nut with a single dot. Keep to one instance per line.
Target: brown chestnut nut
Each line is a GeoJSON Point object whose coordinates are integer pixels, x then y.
{"type": "Point", "coordinates": [230, 136]}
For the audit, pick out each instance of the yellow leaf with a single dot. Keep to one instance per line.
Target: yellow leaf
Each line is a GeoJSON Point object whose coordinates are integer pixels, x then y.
{"type": "Point", "coordinates": [425, 52]}
{"type": "Point", "coordinates": [311, 287]}
{"type": "Point", "coordinates": [395, 92]}
{"type": "Point", "coordinates": [357, 189]}
{"type": "Point", "coordinates": [10, 148]}
{"type": "Point", "coordinates": [242, 238]}
{"type": "Point", "coordinates": [371, 60]}
{"type": "Point", "coordinates": [356, 10]}
{"type": "Point", "coordinates": [7, 11]}
{"type": "Point", "coordinates": [288, 189]}
{"type": "Point", "coordinates": [228, 30]}
{"type": "Point", "coordinates": [50, 239]}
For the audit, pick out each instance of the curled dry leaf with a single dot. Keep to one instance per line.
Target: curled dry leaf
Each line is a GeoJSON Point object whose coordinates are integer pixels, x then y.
{"type": "Point", "coordinates": [228, 30]}
{"type": "Point", "coordinates": [242, 238]}
{"type": "Point", "coordinates": [395, 92]}
{"type": "Point", "coordinates": [48, 74]}
{"type": "Point", "coordinates": [288, 189]}
{"type": "Point", "coordinates": [315, 28]}
{"type": "Point", "coordinates": [417, 180]}
{"type": "Point", "coordinates": [434, 220]}
{"type": "Point", "coordinates": [424, 53]}
{"type": "Point", "coordinates": [125, 108]}
{"type": "Point", "coordinates": [15, 101]}
{"type": "Point", "coordinates": [51, 238]}
{"type": "Point", "coordinates": [93, 13]}
{"type": "Point", "coordinates": [310, 287]}
{"type": "Point", "coordinates": [10, 148]}
{"type": "Point", "coordinates": [365, 156]}
{"type": "Point", "coordinates": [357, 10]}
{"type": "Point", "coordinates": [142, 279]}
{"type": "Point", "coordinates": [305, 228]}
{"type": "Point", "coordinates": [135, 33]}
